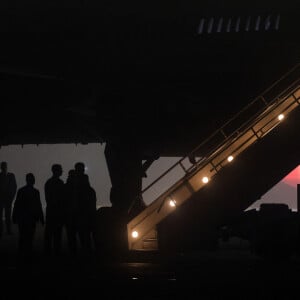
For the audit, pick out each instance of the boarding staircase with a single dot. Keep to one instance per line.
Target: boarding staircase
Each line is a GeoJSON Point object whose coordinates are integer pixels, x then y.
{"type": "Point", "coordinates": [216, 153]}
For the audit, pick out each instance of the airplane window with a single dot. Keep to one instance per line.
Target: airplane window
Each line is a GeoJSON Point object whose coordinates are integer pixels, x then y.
{"type": "Point", "coordinates": [268, 23]}
{"type": "Point", "coordinates": [228, 25]}
{"type": "Point", "coordinates": [237, 24]}
{"type": "Point", "coordinates": [219, 28]}
{"type": "Point", "coordinates": [234, 25]}
{"type": "Point", "coordinates": [201, 26]}
{"type": "Point", "coordinates": [277, 22]}
{"type": "Point", "coordinates": [257, 23]}
{"type": "Point", "coordinates": [210, 25]}
{"type": "Point", "coordinates": [248, 23]}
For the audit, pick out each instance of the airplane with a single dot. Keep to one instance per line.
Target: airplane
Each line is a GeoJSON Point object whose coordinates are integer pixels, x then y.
{"type": "Point", "coordinates": [148, 78]}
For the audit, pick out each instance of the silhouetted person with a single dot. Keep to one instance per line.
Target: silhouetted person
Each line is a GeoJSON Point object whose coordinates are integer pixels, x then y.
{"type": "Point", "coordinates": [79, 169]}
{"type": "Point", "coordinates": [27, 212]}
{"type": "Point", "coordinates": [55, 210]}
{"type": "Point", "coordinates": [72, 211]}
{"type": "Point", "coordinates": [8, 188]}
{"type": "Point", "coordinates": [86, 199]}
{"type": "Point", "coordinates": [87, 208]}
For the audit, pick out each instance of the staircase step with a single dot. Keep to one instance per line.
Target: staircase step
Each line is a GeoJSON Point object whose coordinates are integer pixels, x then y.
{"type": "Point", "coordinates": [150, 244]}
{"type": "Point", "coordinates": [151, 235]}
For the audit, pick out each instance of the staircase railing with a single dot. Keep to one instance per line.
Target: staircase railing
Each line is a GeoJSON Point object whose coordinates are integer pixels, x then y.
{"type": "Point", "coordinates": [254, 120]}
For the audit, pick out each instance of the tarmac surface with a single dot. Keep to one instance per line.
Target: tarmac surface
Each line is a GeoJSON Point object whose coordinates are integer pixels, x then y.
{"type": "Point", "coordinates": [231, 271]}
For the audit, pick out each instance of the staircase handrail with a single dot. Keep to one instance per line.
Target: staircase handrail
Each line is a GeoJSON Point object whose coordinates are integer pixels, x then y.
{"type": "Point", "coordinates": [221, 129]}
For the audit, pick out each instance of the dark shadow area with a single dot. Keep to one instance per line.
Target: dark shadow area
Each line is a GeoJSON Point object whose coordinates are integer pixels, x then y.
{"type": "Point", "coordinates": [234, 271]}
{"type": "Point", "coordinates": [149, 79]}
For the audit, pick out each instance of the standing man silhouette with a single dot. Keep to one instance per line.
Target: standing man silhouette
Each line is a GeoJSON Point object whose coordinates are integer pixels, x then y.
{"type": "Point", "coordinates": [72, 211]}
{"type": "Point", "coordinates": [55, 211]}
{"type": "Point", "coordinates": [86, 200]}
{"type": "Point", "coordinates": [86, 220]}
{"type": "Point", "coordinates": [27, 212]}
{"type": "Point", "coordinates": [8, 188]}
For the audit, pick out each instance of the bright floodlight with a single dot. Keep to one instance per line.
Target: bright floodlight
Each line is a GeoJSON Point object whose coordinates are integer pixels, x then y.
{"type": "Point", "coordinates": [134, 234]}
{"type": "Point", "coordinates": [205, 179]}
{"type": "Point", "coordinates": [230, 158]}
{"type": "Point", "coordinates": [172, 203]}
{"type": "Point", "coordinates": [281, 117]}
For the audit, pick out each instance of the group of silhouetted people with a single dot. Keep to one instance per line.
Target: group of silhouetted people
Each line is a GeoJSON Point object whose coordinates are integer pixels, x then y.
{"type": "Point", "coordinates": [8, 189]}
{"type": "Point", "coordinates": [70, 205]}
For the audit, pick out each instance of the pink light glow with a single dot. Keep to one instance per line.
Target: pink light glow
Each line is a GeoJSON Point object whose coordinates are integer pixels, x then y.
{"type": "Point", "coordinates": [293, 178]}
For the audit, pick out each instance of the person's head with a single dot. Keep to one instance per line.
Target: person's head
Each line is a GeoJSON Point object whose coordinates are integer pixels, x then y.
{"type": "Point", "coordinates": [4, 166]}
{"type": "Point", "coordinates": [30, 180]}
{"type": "Point", "coordinates": [79, 168]}
{"type": "Point", "coordinates": [71, 176]}
{"type": "Point", "coordinates": [56, 170]}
